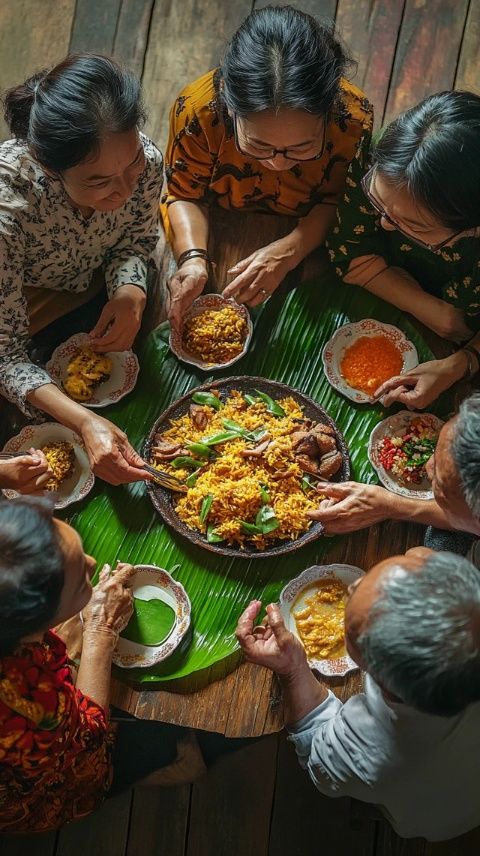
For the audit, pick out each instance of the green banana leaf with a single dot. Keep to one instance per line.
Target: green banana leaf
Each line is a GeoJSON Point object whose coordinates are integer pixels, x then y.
{"type": "Point", "coordinates": [119, 523]}
{"type": "Point", "coordinates": [151, 622]}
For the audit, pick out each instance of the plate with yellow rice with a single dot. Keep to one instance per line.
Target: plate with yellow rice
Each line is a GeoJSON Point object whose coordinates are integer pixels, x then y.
{"type": "Point", "coordinates": [313, 608]}
{"type": "Point", "coordinates": [72, 476]}
{"type": "Point", "coordinates": [215, 333]}
{"type": "Point", "coordinates": [251, 455]}
{"type": "Point", "coordinates": [91, 378]}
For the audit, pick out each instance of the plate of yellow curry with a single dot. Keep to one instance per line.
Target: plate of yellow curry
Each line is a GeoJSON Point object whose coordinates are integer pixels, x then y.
{"type": "Point", "coordinates": [313, 608]}
{"type": "Point", "coordinates": [91, 378]}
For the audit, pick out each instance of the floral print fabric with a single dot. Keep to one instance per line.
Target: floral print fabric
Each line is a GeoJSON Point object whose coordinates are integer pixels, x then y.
{"type": "Point", "coordinates": [55, 743]}
{"type": "Point", "coordinates": [46, 243]}
{"type": "Point", "coordinates": [204, 165]}
{"type": "Point", "coordinates": [452, 273]}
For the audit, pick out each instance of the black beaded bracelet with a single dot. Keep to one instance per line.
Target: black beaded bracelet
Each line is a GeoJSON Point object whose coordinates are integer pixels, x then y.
{"type": "Point", "coordinates": [194, 253]}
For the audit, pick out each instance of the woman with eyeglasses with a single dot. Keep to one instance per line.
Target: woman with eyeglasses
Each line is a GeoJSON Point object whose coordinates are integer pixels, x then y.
{"type": "Point", "coordinates": [408, 231]}
{"type": "Point", "coordinates": [273, 129]}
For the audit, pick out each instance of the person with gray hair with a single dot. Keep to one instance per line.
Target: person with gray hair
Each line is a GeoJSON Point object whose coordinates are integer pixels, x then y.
{"type": "Point", "coordinates": [455, 473]}
{"type": "Point", "coordinates": [410, 742]}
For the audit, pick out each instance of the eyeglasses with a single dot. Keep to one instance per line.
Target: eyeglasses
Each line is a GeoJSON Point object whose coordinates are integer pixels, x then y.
{"type": "Point", "coordinates": [261, 153]}
{"type": "Point", "coordinates": [366, 182]}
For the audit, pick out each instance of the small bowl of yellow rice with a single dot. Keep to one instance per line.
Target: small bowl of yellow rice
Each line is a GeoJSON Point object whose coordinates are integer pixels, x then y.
{"type": "Point", "coordinates": [215, 333]}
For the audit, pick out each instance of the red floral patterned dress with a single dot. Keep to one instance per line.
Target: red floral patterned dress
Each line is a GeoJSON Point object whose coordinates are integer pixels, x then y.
{"type": "Point", "coordinates": [55, 743]}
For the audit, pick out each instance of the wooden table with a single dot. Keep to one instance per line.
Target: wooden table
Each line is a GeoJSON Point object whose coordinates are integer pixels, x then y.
{"type": "Point", "coordinates": [245, 700]}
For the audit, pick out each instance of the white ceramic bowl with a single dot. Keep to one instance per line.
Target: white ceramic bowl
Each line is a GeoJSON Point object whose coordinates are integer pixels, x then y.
{"type": "Point", "coordinates": [122, 380]}
{"type": "Point", "coordinates": [397, 424]}
{"type": "Point", "coordinates": [213, 302]}
{"type": "Point", "coordinates": [80, 482]}
{"type": "Point", "coordinates": [291, 598]}
{"type": "Point", "coordinates": [345, 336]}
{"type": "Point", "coordinates": [153, 582]}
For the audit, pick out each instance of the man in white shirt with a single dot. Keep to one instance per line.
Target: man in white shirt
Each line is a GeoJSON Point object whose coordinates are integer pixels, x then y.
{"type": "Point", "coordinates": [455, 473]}
{"type": "Point", "coordinates": [410, 743]}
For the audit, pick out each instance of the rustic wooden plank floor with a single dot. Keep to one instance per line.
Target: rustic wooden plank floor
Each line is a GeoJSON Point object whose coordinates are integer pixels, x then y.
{"type": "Point", "coordinates": [256, 800]}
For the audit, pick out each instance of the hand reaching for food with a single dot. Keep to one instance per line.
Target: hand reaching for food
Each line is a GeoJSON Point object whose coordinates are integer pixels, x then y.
{"type": "Point", "coordinates": [119, 321]}
{"type": "Point", "coordinates": [419, 387]}
{"type": "Point", "coordinates": [350, 506]}
{"type": "Point", "coordinates": [111, 605]}
{"type": "Point", "coordinates": [184, 287]}
{"type": "Point", "coordinates": [269, 644]}
{"type": "Point", "coordinates": [27, 474]}
{"type": "Point", "coordinates": [259, 275]}
{"type": "Point", "coordinates": [110, 453]}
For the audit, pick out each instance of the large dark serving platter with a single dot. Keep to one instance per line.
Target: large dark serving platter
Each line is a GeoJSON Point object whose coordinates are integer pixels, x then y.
{"type": "Point", "coordinates": [163, 499]}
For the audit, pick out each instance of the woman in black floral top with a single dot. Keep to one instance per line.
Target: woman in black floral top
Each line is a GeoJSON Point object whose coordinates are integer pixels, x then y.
{"type": "Point", "coordinates": [79, 192]}
{"type": "Point", "coordinates": [408, 231]}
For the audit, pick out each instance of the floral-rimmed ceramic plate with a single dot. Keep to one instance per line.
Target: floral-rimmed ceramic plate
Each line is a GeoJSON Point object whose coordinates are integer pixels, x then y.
{"type": "Point", "coordinates": [396, 425]}
{"type": "Point", "coordinates": [345, 336]}
{"type": "Point", "coordinates": [122, 379]}
{"type": "Point", "coordinates": [214, 302]}
{"type": "Point", "coordinates": [292, 597]}
{"type": "Point", "coordinates": [151, 582]}
{"type": "Point", "coordinates": [80, 482]}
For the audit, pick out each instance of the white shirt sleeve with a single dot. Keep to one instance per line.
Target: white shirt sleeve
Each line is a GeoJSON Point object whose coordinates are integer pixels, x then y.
{"type": "Point", "coordinates": [329, 744]}
{"type": "Point", "coordinates": [126, 263]}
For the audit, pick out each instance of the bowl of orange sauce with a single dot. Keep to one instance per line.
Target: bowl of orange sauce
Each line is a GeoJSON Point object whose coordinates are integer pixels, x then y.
{"type": "Point", "coordinates": [361, 356]}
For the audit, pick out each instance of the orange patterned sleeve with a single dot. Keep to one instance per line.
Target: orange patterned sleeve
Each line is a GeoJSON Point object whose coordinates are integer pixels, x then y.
{"type": "Point", "coordinates": [192, 144]}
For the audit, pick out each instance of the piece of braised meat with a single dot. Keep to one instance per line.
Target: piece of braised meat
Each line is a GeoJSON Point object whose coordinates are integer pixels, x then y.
{"type": "Point", "coordinates": [166, 451]}
{"type": "Point", "coordinates": [198, 416]}
{"type": "Point", "coordinates": [329, 465]}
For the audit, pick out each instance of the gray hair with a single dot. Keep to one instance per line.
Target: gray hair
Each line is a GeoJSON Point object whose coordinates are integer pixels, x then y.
{"type": "Point", "coordinates": [466, 451]}
{"type": "Point", "coordinates": [422, 640]}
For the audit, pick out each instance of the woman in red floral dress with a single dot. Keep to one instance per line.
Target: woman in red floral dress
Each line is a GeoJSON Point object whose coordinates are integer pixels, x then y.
{"type": "Point", "coordinates": [58, 753]}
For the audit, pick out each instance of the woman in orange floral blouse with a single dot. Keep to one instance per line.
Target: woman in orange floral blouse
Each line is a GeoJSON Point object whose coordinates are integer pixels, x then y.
{"type": "Point", "coordinates": [57, 749]}
{"type": "Point", "coordinates": [274, 129]}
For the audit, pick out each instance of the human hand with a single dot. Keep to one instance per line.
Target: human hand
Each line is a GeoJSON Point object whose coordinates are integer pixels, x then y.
{"type": "Point", "coordinates": [350, 506]}
{"type": "Point", "coordinates": [111, 604]}
{"type": "Point", "coordinates": [26, 473]}
{"type": "Point", "coordinates": [420, 386]}
{"type": "Point", "coordinates": [257, 276]}
{"type": "Point", "coordinates": [119, 320]}
{"type": "Point", "coordinates": [111, 456]}
{"type": "Point", "coordinates": [186, 284]}
{"type": "Point", "coordinates": [269, 644]}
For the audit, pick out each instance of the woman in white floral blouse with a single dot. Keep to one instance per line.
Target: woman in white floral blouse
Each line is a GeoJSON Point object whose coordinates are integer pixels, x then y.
{"type": "Point", "coordinates": [79, 193]}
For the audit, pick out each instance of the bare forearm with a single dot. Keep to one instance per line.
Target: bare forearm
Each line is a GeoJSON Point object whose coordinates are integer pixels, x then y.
{"type": "Point", "coordinates": [309, 233]}
{"type": "Point", "coordinates": [189, 226]}
{"type": "Point", "coordinates": [94, 671]}
{"type": "Point", "coordinates": [428, 513]}
{"type": "Point", "coordinates": [53, 401]}
{"type": "Point", "coordinates": [301, 694]}
{"type": "Point", "coordinates": [403, 291]}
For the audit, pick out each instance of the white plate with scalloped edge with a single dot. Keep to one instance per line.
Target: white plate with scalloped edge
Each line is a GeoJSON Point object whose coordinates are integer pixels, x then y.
{"type": "Point", "coordinates": [292, 597]}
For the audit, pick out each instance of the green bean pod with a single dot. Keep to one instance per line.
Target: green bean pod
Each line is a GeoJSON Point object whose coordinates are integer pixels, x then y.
{"type": "Point", "coordinates": [208, 399]}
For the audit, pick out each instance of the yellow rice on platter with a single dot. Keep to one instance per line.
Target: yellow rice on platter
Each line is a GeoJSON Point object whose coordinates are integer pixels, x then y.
{"type": "Point", "coordinates": [234, 481]}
